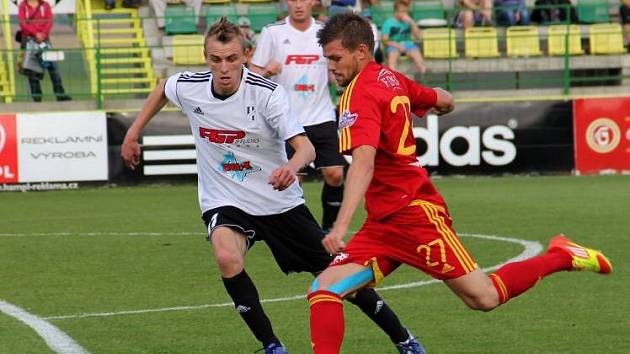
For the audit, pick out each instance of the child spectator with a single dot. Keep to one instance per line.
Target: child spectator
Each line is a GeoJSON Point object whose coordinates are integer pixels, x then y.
{"type": "Point", "coordinates": [397, 34]}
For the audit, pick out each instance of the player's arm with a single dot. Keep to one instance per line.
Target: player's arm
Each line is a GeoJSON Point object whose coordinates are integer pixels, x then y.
{"type": "Point", "coordinates": [357, 181]}
{"type": "Point", "coordinates": [284, 176]}
{"type": "Point", "coordinates": [444, 102]}
{"type": "Point", "coordinates": [130, 150]}
{"type": "Point", "coordinates": [262, 62]}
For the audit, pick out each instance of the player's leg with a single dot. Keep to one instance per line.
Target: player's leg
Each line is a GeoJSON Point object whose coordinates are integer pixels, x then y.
{"type": "Point", "coordinates": [328, 160]}
{"type": "Point", "coordinates": [326, 305]}
{"type": "Point", "coordinates": [485, 292]}
{"type": "Point", "coordinates": [332, 195]}
{"type": "Point", "coordinates": [231, 235]}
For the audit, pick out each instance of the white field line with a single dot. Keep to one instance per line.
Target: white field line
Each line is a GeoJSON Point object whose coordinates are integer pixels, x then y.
{"type": "Point", "coordinates": [531, 248]}
{"type": "Point", "coordinates": [56, 339]}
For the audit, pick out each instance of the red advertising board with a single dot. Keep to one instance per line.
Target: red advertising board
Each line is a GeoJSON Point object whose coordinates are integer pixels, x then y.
{"type": "Point", "coordinates": [602, 135]}
{"type": "Point", "coordinates": [8, 149]}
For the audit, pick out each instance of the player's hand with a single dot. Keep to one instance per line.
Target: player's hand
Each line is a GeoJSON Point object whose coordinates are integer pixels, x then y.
{"type": "Point", "coordinates": [130, 153]}
{"type": "Point", "coordinates": [282, 177]}
{"type": "Point", "coordinates": [274, 68]}
{"type": "Point", "coordinates": [333, 242]}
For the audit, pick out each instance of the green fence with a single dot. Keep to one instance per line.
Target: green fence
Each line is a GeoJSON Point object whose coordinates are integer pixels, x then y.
{"type": "Point", "coordinates": [116, 68]}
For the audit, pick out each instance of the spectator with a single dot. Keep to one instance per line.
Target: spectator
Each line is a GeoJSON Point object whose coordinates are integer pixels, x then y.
{"type": "Point", "coordinates": [511, 12]}
{"type": "Point", "coordinates": [624, 17]}
{"type": "Point", "coordinates": [36, 21]}
{"type": "Point", "coordinates": [159, 6]}
{"type": "Point", "coordinates": [339, 6]}
{"type": "Point", "coordinates": [397, 37]}
{"type": "Point", "coordinates": [130, 4]}
{"type": "Point", "coordinates": [244, 24]}
{"type": "Point", "coordinates": [553, 11]}
{"type": "Point", "coordinates": [474, 13]}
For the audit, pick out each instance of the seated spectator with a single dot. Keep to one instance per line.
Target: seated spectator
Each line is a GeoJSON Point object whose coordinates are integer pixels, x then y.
{"type": "Point", "coordinates": [624, 17]}
{"type": "Point", "coordinates": [159, 7]}
{"type": "Point", "coordinates": [36, 20]}
{"type": "Point", "coordinates": [511, 12]}
{"type": "Point", "coordinates": [397, 34]}
{"type": "Point", "coordinates": [474, 13]}
{"type": "Point", "coordinates": [553, 11]}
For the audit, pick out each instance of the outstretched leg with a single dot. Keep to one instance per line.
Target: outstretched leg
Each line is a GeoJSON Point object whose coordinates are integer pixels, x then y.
{"type": "Point", "coordinates": [485, 292]}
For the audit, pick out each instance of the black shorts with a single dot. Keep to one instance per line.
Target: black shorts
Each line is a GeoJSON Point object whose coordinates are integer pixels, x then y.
{"type": "Point", "coordinates": [294, 237]}
{"type": "Point", "coordinates": [324, 138]}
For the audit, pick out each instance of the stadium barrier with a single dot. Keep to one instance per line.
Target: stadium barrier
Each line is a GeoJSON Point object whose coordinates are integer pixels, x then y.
{"type": "Point", "coordinates": [585, 136]}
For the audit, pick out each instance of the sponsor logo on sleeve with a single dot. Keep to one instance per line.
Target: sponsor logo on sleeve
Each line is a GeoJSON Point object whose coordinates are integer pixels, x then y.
{"type": "Point", "coordinates": [347, 119]}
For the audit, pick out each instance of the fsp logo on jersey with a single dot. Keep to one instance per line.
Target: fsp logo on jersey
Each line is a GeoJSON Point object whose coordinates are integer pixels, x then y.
{"type": "Point", "coordinates": [301, 59]}
{"type": "Point", "coordinates": [220, 136]}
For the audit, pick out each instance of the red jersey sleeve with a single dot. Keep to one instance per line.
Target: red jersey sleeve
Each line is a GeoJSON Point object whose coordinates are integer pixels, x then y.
{"type": "Point", "coordinates": [422, 98]}
{"type": "Point", "coordinates": [359, 118]}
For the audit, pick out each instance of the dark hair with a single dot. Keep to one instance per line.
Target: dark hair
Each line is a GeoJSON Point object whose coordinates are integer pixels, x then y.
{"type": "Point", "coordinates": [225, 31]}
{"type": "Point", "coordinates": [353, 30]}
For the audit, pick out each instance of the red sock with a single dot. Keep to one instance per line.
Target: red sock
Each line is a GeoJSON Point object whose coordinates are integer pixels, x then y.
{"type": "Point", "coordinates": [515, 278]}
{"type": "Point", "coordinates": [327, 322]}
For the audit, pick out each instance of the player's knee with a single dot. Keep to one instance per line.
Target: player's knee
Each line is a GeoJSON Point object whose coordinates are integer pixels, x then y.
{"type": "Point", "coordinates": [333, 176]}
{"type": "Point", "coordinates": [482, 302]}
{"type": "Point", "coordinates": [230, 263]}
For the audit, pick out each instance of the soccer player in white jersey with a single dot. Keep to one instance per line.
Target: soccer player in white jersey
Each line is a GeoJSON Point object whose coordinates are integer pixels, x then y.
{"type": "Point", "coordinates": [240, 122]}
{"type": "Point", "coordinates": [287, 52]}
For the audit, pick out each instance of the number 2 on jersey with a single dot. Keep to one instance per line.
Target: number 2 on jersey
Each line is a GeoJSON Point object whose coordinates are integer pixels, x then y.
{"type": "Point", "coordinates": [406, 106]}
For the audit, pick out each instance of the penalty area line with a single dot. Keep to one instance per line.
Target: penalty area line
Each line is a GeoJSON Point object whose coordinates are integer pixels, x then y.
{"type": "Point", "coordinates": [530, 249]}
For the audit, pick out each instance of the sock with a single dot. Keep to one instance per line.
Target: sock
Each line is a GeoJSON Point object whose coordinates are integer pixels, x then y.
{"type": "Point", "coordinates": [377, 310]}
{"type": "Point", "coordinates": [327, 322]}
{"type": "Point", "coordinates": [331, 202]}
{"type": "Point", "coordinates": [515, 278]}
{"type": "Point", "coordinates": [245, 296]}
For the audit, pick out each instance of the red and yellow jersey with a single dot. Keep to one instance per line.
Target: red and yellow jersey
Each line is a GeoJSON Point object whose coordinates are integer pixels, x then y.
{"type": "Point", "coordinates": [376, 110]}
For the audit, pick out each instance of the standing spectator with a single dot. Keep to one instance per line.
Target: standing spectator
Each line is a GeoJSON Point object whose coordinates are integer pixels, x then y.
{"type": "Point", "coordinates": [511, 12]}
{"type": "Point", "coordinates": [624, 17]}
{"type": "Point", "coordinates": [397, 37]}
{"type": "Point", "coordinates": [159, 6]}
{"type": "Point", "coordinates": [36, 21]}
{"type": "Point", "coordinates": [474, 13]}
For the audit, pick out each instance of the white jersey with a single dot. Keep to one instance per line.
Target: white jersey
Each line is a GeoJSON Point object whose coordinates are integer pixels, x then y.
{"type": "Point", "coordinates": [239, 141]}
{"type": "Point", "coordinates": [304, 68]}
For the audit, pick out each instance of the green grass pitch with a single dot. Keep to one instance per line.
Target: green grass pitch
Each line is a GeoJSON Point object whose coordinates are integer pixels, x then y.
{"type": "Point", "coordinates": [88, 252]}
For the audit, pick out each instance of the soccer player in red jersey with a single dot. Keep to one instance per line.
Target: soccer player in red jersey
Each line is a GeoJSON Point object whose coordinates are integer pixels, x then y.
{"type": "Point", "coordinates": [407, 219]}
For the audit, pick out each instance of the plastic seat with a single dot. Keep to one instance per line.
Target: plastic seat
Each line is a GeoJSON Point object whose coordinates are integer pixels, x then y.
{"type": "Point", "coordinates": [481, 42]}
{"type": "Point", "coordinates": [188, 49]}
{"type": "Point", "coordinates": [261, 15]}
{"type": "Point", "coordinates": [593, 11]}
{"type": "Point", "coordinates": [606, 38]}
{"type": "Point", "coordinates": [523, 41]}
{"type": "Point", "coordinates": [556, 40]}
{"type": "Point", "coordinates": [215, 12]}
{"type": "Point", "coordinates": [439, 43]}
{"type": "Point", "coordinates": [180, 19]}
{"type": "Point", "coordinates": [427, 9]}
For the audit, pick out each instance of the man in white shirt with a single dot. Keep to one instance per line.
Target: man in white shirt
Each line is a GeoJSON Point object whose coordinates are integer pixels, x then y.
{"type": "Point", "coordinates": [240, 122]}
{"type": "Point", "coordinates": [287, 52]}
